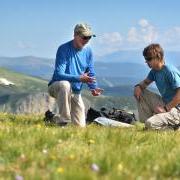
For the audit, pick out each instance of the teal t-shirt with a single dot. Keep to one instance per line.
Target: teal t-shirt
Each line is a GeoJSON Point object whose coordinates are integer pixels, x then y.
{"type": "Point", "coordinates": [167, 81]}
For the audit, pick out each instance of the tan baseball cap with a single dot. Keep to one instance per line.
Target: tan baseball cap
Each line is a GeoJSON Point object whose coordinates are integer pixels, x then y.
{"type": "Point", "coordinates": [83, 29]}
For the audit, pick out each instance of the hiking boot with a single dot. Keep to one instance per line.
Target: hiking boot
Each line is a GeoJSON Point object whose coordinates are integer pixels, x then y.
{"type": "Point", "coordinates": [51, 118]}
{"type": "Point", "coordinates": [59, 121]}
{"type": "Point", "coordinates": [48, 119]}
{"type": "Point", "coordinates": [62, 123]}
{"type": "Point", "coordinates": [176, 127]}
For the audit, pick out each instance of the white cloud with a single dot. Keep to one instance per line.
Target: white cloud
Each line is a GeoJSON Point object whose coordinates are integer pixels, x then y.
{"type": "Point", "coordinates": [137, 37]}
{"type": "Point", "coordinates": [150, 34]}
{"type": "Point", "coordinates": [133, 35]}
{"type": "Point", "coordinates": [171, 36]}
{"type": "Point", "coordinates": [109, 42]}
{"type": "Point", "coordinates": [113, 37]}
{"type": "Point", "coordinates": [170, 39]}
{"type": "Point", "coordinates": [143, 23]}
{"type": "Point", "coordinates": [143, 33]}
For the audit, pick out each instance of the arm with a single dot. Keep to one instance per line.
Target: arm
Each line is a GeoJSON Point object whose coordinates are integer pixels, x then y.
{"type": "Point", "coordinates": [143, 84]}
{"type": "Point", "coordinates": [91, 73]}
{"type": "Point", "coordinates": [61, 65]}
{"type": "Point", "coordinates": [175, 101]}
{"type": "Point", "coordinates": [174, 80]}
{"type": "Point", "coordinates": [140, 87]}
{"type": "Point", "coordinates": [95, 91]}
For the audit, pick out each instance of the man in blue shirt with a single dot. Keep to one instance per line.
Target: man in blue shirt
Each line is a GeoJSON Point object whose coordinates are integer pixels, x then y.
{"type": "Point", "coordinates": [159, 112]}
{"type": "Point", "coordinates": [73, 67]}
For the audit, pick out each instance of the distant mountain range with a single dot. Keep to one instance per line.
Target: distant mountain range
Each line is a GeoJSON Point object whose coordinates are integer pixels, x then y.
{"type": "Point", "coordinates": [109, 74]}
{"type": "Point", "coordinates": [26, 94]}
{"type": "Point", "coordinates": [132, 56]}
{"type": "Point", "coordinates": [116, 73]}
{"type": "Point", "coordinates": [29, 65]}
{"type": "Point", "coordinates": [21, 94]}
{"type": "Point", "coordinates": [120, 69]}
{"type": "Point", "coordinates": [127, 66]}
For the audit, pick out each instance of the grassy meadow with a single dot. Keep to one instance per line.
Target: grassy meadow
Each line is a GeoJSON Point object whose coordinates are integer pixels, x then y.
{"type": "Point", "coordinates": [31, 150]}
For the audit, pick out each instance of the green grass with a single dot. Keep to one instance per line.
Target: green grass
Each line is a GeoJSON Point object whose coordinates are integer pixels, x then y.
{"type": "Point", "coordinates": [31, 150]}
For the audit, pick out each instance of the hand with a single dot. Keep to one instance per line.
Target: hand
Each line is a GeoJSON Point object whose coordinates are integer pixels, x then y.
{"type": "Point", "coordinates": [159, 109]}
{"type": "Point", "coordinates": [137, 92]}
{"type": "Point", "coordinates": [97, 91]}
{"type": "Point", "coordinates": [87, 79]}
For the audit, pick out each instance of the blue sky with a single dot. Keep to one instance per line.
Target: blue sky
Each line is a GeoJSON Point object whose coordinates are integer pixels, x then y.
{"type": "Point", "coordinates": [38, 27]}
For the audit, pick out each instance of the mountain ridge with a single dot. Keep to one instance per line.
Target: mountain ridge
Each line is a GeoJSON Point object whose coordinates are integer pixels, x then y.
{"type": "Point", "coordinates": [29, 95]}
{"type": "Point", "coordinates": [118, 64]}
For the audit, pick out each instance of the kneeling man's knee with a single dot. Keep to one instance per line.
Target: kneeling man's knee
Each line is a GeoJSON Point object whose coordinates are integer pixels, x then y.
{"type": "Point", "coordinates": [152, 123]}
{"type": "Point", "coordinates": [148, 123]}
{"type": "Point", "coordinates": [64, 84]}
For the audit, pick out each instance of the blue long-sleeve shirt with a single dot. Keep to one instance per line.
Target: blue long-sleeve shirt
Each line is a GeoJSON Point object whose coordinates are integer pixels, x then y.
{"type": "Point", "coordinates": [71, 63]}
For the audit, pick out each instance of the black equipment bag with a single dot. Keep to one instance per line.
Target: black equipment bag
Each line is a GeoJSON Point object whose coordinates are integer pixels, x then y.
{"type": "Point", "coordinates": [114, 114]}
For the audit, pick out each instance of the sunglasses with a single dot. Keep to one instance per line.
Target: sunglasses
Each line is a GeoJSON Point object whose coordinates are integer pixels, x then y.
{"type": "Point", "coordinates": [86, 37]}
{"type": "Point", "coordinates": [149, 58]}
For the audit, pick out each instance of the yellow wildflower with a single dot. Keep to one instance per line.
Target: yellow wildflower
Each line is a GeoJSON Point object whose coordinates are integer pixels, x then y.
{"type": "Point", "coordinates": [60, 170]}
{"type": "Point", "coordinates": [91, 141]}
{"type": "Point", "coordinates": [72, 156]}
{"type": "Point", "coordinates": [53, 157]}
{"type": "Point", "coordinates": [38, 126]}
{"type": "Point", "coordinates": [120, 167]}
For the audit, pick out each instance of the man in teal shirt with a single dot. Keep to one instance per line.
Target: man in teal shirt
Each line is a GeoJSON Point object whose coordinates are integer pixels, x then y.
{"type": "Point", "coordinates": [159, 112]}
{"type": "Point", "coordinates": [73, 67]}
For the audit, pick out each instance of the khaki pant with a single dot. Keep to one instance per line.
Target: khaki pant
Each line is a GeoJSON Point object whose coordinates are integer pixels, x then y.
{"type": "Point", "coordinates": [146, 107]}
{"type": "Point", "coordinates": [162, 121]}
{"type": "Point", "coordinates": [71, 106]}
